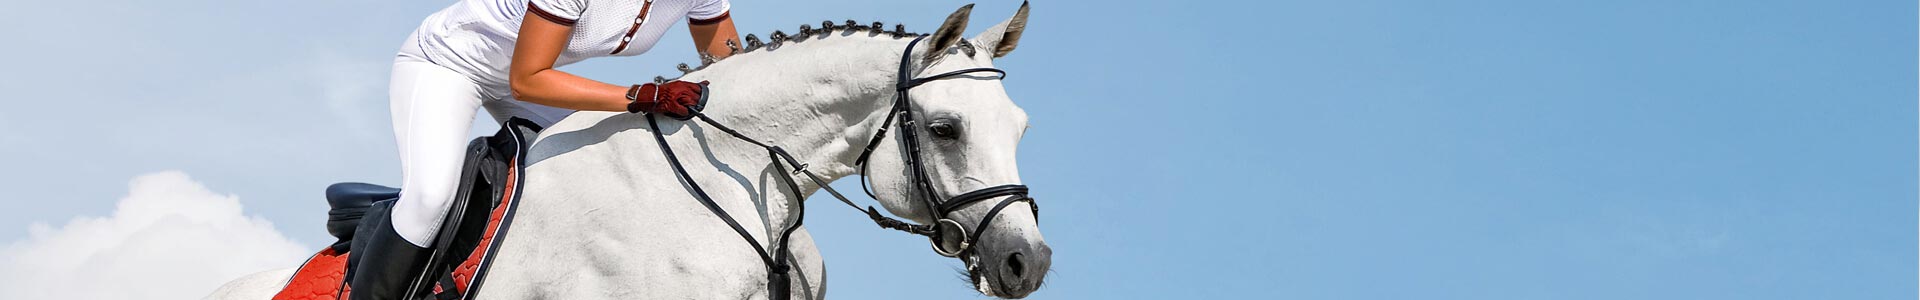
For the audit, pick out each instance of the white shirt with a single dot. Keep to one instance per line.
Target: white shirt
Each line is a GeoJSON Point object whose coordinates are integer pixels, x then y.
{"type": "Point", "coordinates": [476, 37]}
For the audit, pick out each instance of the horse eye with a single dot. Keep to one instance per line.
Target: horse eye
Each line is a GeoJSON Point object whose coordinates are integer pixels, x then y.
{"type": "Point", "coordinates": [944, 129]}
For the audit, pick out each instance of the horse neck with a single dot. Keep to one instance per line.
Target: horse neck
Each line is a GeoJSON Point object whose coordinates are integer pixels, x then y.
{"type": "Point", "coordinates": [820, 99]}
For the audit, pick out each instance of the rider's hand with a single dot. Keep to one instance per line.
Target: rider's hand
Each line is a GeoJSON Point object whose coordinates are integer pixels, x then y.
{"type": "Point", "coordinates": [675, 99]}
{"type": "Point", "coordinates": [683, 96]}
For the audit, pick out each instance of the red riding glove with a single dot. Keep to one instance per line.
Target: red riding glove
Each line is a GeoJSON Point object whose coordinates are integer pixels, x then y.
{"type": "Point", "coordinates": [677, 99]}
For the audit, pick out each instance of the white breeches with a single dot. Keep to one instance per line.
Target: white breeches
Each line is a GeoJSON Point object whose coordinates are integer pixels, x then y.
{"type": "Point", "coordinates": [433, 109]}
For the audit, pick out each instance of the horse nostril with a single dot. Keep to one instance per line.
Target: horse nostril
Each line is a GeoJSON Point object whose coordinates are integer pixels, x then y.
{"type": "Point", "coordinates": [1014, 265]}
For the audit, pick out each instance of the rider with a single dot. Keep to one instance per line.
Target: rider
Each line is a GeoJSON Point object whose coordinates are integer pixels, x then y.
{"type": "Point", "coordinates": [500, 55]}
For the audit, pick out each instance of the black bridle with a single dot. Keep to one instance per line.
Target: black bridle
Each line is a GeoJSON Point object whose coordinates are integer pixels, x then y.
{"type": "Point", "coordinates": [949, 237]}
{"type": "Point", "coordinates": [941, 233]}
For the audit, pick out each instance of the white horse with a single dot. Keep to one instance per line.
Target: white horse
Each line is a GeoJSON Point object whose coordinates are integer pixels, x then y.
{"type": "Point", "coordinates": [603, 215]}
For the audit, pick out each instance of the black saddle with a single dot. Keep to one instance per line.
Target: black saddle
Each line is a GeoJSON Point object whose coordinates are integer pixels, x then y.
{"type": "Point", "coordinates": [362, 206]}
{"type": "Point", "coordinates": [355, 194]}
{"type": "Point", "coordinates": [350, 202]}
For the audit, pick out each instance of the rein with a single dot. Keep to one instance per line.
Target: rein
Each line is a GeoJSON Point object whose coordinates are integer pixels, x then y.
{"type": "Point", "coordinates": [945, 240]}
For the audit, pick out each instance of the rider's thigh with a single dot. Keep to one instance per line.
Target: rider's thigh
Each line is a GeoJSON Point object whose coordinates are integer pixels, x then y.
{"type": "Point", "coordinates": [433, 109]}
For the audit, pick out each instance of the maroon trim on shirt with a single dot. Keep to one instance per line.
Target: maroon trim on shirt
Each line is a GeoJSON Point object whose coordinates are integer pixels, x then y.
{"type": "Point", "coordinates": [556, 19]}
{"type": "Point", "coordinates": [710, 21]}
{"type": "Point", "coordinates": [637, 20]}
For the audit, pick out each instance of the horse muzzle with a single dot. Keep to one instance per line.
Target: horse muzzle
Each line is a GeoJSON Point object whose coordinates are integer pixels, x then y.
{"type": "Point", "coordinates": [1013, 267]}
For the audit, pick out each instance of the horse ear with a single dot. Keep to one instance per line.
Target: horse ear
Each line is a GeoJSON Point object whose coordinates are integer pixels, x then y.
{"type": "Point", "coordinates": [949, 32]}
{"type": "Point", "coordinates": [1003, 37]}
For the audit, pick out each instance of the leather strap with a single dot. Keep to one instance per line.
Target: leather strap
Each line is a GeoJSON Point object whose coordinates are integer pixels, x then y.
{"type": "Point", "coordinates": [779, 285]}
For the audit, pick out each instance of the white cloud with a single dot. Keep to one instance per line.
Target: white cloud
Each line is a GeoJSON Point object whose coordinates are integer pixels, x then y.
{"type": "Point", "coordinates": [169, 238]}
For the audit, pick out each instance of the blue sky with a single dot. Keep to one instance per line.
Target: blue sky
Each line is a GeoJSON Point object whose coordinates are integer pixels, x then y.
{"type": "Point", "coordinates": [1226, 149]}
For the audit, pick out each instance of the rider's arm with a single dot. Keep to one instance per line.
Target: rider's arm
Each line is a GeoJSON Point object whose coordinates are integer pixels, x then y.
{"type": "Point", "coordinates": [711, 35]}
{"type": "Point", "coordinates": [533, 78]}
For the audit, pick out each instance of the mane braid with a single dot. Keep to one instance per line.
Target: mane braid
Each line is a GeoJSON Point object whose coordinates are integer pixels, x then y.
{"type": "Point", "coordinates": [827, 28]}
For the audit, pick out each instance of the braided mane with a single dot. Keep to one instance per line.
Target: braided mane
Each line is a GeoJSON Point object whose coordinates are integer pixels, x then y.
{"type": "Point", "coordinates": [777, 38]}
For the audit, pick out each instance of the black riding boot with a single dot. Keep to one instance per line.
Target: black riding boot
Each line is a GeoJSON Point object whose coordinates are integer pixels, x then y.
{"type": "Point", "coordinates": [384, 263]}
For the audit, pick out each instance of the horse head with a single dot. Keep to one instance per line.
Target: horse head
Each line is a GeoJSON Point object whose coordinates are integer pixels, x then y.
{"type": "Point", "coordinates": [964, 132]}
